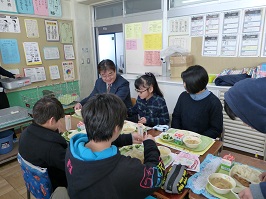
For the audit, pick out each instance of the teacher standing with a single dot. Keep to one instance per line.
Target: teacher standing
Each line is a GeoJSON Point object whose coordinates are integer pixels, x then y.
{"type": "Point", "coordinates": [110, 82]}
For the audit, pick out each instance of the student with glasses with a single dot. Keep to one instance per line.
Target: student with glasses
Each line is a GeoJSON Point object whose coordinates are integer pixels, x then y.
{"type": "Point", "coordinates": [197, 109]}
{"type": "Point", "coordinates": [110, 82]}
{"type": "Point", "coordinates": [150, 106]}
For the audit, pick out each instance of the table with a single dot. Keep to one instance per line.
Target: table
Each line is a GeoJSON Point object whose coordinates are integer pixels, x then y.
{"type": "Point", "coordinates": [161, 194]}
{"type": "Point", "coordinates": [251, 161]}
{"type": "Point", "coordinates": [13, 154]}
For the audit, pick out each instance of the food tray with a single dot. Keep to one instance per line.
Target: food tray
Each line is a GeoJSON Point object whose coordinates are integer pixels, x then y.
{"type": "Point", "coordinates": [12, 114]}
{"type": "Point", "coordinates": [205, 142]}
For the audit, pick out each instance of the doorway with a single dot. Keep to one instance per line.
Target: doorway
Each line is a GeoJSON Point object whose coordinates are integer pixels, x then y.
{"type": "Point", "coordinates": [110, 42]}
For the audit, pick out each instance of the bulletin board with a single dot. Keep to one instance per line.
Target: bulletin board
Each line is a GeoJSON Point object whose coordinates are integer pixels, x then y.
{"type": "Point", "coordinates": [53, 50]}
{"type": "Point", "coordinates": [143, 42]}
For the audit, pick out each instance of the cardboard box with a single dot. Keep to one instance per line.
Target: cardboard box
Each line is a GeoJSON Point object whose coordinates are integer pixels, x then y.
{"type": "Point", "coordinates": [176, 71]}
{"type": "Point", "coordinates": [181, 61]}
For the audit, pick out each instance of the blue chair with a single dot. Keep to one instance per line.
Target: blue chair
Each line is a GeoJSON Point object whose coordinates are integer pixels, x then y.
{"type": "Point", "coordinates": [36, 179]}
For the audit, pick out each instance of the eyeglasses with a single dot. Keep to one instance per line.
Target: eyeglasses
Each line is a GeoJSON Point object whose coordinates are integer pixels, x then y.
{"type": "Point", "coordinates": [108, 75]}
{"type": "Point", "coordinates": [140, 92]}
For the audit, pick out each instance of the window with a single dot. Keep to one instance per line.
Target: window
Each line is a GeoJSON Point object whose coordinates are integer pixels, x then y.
{"type": "Point", "coordinates": [178, 3]}
{"type": "Point", "coordinates": [107, 11]}
{"type": "Point", "coordinates": [136, 6]}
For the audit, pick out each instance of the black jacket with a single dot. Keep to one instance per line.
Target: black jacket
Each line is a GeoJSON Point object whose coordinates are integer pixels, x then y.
{"type": "Point", "coordinates": [45, 148]}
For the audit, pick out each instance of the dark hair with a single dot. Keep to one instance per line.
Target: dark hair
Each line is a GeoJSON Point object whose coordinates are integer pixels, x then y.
{"type": "Point", "coordinates": [196, 79]}
{"type": "Point", "coordinates": [229, 111]}
{"type": "Point", "coordinates": [148, 80]}
{"type": "Point", "coordinates": [46, 108]}
{"type": "Point", "coordinates": [106, 64]}
{"type": "Point", "coordinates": [101, 114]}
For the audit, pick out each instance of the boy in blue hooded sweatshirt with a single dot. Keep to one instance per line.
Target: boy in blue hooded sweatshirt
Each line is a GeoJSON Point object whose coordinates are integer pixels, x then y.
{"type": "Point", "coordinates": [94, 166]}
{"type": "Point", "coordinates": [247, 100]}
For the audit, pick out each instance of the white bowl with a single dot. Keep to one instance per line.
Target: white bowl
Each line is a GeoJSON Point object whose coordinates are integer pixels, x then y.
{"type": "Point", "coordinates": [78, 112]}
{"type": "Point", "coordinates": [220, 178]}
{"type": "Point", "coordinates": [191, 141]}
{"type": "Point", "coordinates": [164, 151]}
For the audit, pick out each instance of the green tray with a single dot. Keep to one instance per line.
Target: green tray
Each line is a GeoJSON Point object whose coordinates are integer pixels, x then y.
{"type": "Point", "coordinates": [229, 195]}
{"type": "Point", "coordinates": [206, 141]}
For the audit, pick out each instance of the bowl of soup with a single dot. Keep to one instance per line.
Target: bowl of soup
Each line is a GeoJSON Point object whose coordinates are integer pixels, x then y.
{"type": "Point", "coordinates": [191, 141]}
{"type": "Point", "coordinates": [221, 183]}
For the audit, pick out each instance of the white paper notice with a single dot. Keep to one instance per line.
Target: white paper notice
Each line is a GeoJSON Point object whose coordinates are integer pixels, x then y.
{"type": "Point", "coordinates": [178, 26]}
{"type": "Point", "coordinates": [229, 45]}
{"type": "Point", "coordinates": [69, 52]}
{"type": "Point", "coordinates": [51, 53]}
{"type": "Point", "coordinates": [231, 22]}
{"type": "Point", "coordinates": [35, 74]}
{"type": "Point", "coordinates": [54, 72]}
{"type": "Point", "coordinates": [32, 53]}
{"type": "Point", "coordinates": [250, 45]}
{"type": "Point", "coordinates": [212, 24]}
{"type": "Point", "coordinates": [51, 28]}
{"type": "Point", "coordinates": [8, 6]}
{"type": "Point", "coordinates": [197, 26]}
{"type": "Point", "coordinates": [253, 20]}
{"type": "Point", "coordinates": [68, 70]}
{"type": "Point", "coordinates": [180, 41]}
{"type": "Point", "coordinates": [210, 46]}
{"type": "Point", "coordinates": [9, 24]}
{"type": "Point", "coordinates": [31, 28]}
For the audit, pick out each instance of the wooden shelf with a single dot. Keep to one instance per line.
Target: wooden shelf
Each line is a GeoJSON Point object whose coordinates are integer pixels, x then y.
{"type": "Point", "coordinates": [11, 155]}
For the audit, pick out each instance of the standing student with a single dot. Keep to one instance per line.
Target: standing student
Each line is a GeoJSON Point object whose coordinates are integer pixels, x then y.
{"type": "Point", "coordinates": [247, 100]}
{"type": "Point", "coordinates": [94, 166]}
{"type": "Point", "coordinates": [42, 145]}
{"type": "Point", "coordinates": [197, 109]}
{"type": "Point", "coordinates": [150, 106]}
{"type": "Point", "coordinates": [110, 82]}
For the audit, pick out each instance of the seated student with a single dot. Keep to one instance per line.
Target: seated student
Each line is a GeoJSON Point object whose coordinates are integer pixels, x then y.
{"type": "Point", "coordinates": [110, 82]}
{"type": "Point", "coordinates": [41, 144]}
{"type": "Point", "coordinates": [247, 100]}
{"type": "Point", "coordinates": [197, 109]}
{"type": "Point", "coordinates": [94, 166]}
{"type": "Point", "coordinates": [150, 106]}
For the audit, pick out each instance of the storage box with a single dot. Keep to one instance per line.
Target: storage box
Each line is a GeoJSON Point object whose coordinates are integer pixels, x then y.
{"type": "Point", "coordinates": [11, 83]}
{"type": "Point", "coordinates": [179, 63]}
{"type": "Point", "coordinates": [6, 141]}
{"type": "Point", "coordinates": [12, 114]}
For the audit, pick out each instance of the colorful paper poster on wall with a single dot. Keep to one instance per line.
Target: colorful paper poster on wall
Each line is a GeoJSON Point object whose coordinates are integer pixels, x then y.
{"type": "Point", "coordinates": [31, 26]}
{"type": "Point", "coordinates": [152, 58]}
{"type": "Point", "coordinates": [66, 32]}
{"type": "Point", "coordinates": [231, 22]}
{"type": "Point", "coordinates": [9, 51]}
{"type": "Point", "coordinates": [69, 52]}
{"type": "Point", "coordinates": [155, 26]}
{"type": "Point", "coordinates": [51, 29]}
{"type": "Point", "coordinates": [229, 46]}
{"type": "Point", "coordinates": [178, 26]}
{"type": "Point", "coordinates": [51, 53]}
{"type": "Point", "coordinates": [180, 41]}
{"type": "Point", "coordinates": [36, 74]}
{"type": "Point", "coordinates": [40, 7]}
{"type": "Point", "coordinates": [131, 44]}
{"type": "Point", "coordinates": [54, 7]}
{"type": "Point", "coordinates": [25, 6]}
{"type": "Point", "coordinates": [212, 23]}
{"type": "Point", "coordinates": [210, 46]}
{"type": "Point", "coordinates": [253, 20]}
{"type": "Point", "coordinates": [9, 24]}
{"type": "Point", "coordinates": [32, 53]}
{"type": "Point", "coordinates": [250, 45]}
{"type": "Point", "coordinates": [197, 25]}
{"type": "Point", "coordinates": [133, 31]}
{"type": "Point", "coordinates": [152, 41]}
{"type": "Point", "coordinates": [68, 70]}
{"type": "Point", "coordinates": [8, 6]}
{"type": "Point", "coordinates": [54, 72]}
